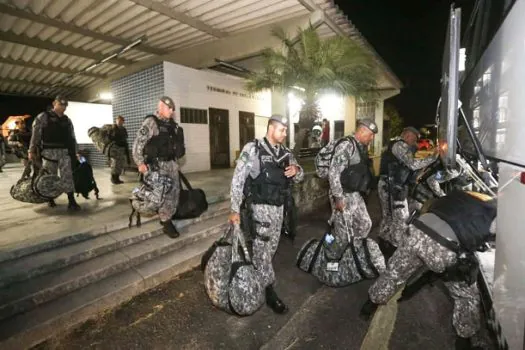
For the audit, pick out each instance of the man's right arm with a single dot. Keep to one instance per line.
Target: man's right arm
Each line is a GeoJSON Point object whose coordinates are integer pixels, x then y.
{"type": "Point", "coordinates": [402, 152]}
{"type": "Point", "coordinates": [36, 136]}
{"type": "Point", "coordinates": [145, 133]}
{"type": "Point", "coordinates": [241, 173]}
{"type": "Point", "coordinates": [340, 161]}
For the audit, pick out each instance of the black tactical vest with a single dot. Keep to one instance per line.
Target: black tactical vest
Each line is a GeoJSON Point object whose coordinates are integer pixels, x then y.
{"type": "Point", "coordinates": [357, 177]}
{"type": "Point", "coordinates": [271, 186]}
{"type": "Point", "coordinates": [162, 146]}
{"type": "Point", "coordinates": [392, 167]}
{"type": "Point", "coordinates": [470, 218]}
{"type": "Point", "coordinates": [57, 131]}
{"type": "Point", "coordinates": [120, 136]}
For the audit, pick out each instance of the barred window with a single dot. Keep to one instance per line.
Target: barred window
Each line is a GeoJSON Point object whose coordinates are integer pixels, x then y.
{"type": "Point", "coordinates": [193, 115]}
{"type": "Point", "coordinates": [365, 110]}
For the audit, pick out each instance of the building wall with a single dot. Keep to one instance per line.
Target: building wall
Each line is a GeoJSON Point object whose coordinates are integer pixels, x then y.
{"type": "Point", "coordinates": [134, 97]}
{"type": "Point", "coordinates": [192, 88]}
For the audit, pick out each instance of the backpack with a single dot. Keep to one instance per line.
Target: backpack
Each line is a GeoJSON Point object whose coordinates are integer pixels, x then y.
{"type": "Point", "coordinates": [101, 138]}
{"type": "Point", "coordinates": [323, 159]}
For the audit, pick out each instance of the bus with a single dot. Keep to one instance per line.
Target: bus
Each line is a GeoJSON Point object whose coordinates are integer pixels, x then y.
{"type": "Point", "coordinates": [481, 118]}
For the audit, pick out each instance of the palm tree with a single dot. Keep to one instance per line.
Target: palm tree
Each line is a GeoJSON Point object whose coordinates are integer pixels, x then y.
{"type": "Point", "coordinates": [312, 66]}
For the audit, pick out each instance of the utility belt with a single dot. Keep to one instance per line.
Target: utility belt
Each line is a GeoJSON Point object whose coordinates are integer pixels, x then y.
{"type": "Point", "coordinates": [269, 194]}
{"type": "Point", "coordinates": [153, 160]}
{"type": "Point", "coordinates": [49, 145]}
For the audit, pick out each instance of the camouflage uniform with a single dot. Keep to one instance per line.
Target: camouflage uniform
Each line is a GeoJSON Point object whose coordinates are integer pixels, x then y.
{"type": "Point", "coordinates": [19, 142]}
{"type": "Point", "coordinates": [54, 159]}
{"type": "Point", "coordinates": [355, 217]}
{"type": "Point", "coordinates": [420, 250]}
{"type": "Point", "coordinates": [393, 224]}
{"type": "Point", "coordinates": [118, 156]}
{"type": "Point", "coordinates": [268, 218]}
{"type": "Point", "coordinates": [2, 152]}
{"type": "Point", "coordinates": [168, 168]}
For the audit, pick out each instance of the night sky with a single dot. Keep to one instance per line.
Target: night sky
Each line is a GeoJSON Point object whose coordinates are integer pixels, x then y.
{"type": "Point", "coordinates": [410, 36]}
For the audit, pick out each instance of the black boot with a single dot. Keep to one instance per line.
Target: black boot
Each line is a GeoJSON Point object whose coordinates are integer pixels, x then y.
{"type": "Point", "coordinates": [273, 301]}
{"type": "Point", "coordinates": [115, 179]}
{"type": "Point", "coordinates": [367, 310]}
{"type": "Point", "coordinates": [51, 203]}
{"type": "Point", "coordinates": [72, 205]}
{"type": "Point", "coordinates": [465, 344]}
{"type": "Point", "coordinates": [169, 229]}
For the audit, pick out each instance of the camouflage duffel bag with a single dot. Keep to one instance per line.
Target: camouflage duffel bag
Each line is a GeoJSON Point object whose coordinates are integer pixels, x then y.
{"type": "Point", "coordinates": [41, 187]}
{"type": "Point", "coordinates": [361, 259]}
{"type": "Point", "coordinates": [147, 199]}
{"type": "Point", "coordinates": [231, 281]}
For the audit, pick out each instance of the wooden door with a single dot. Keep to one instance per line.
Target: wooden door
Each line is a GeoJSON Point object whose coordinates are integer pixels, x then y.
{"type": "Point", "coordinates": [219, 138]}
{"type": "Point", "coordinates": [246, 128]}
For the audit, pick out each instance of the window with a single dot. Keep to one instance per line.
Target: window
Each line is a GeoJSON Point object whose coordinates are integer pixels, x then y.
{"type": "Point", "coordinates": [193, 116]}
{"type": "Point", "coordinates": [365, 110]}
{"type": "Point", "coordinates": [339, 129]}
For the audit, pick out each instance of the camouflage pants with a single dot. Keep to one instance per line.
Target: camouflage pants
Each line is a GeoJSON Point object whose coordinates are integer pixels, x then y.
{"type": "Point", "coordinates": [54, 159]}
{"type": "Point", "coordinates": [419, 250]}
{"type": "Point", "coordinates": [171, 201]}
{"type": "Point", "coordinates": [118, 159]}
{"type": "Point", "coordinates": [268, 220]}
{"type": "Point", "coordinates": [353, 221]}
{"type": "Point", "coordinates": [393, 223]}
{"type": "Point", "coordinates": [2, 154]}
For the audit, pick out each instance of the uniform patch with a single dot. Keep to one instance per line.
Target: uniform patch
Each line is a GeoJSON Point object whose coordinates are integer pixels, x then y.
{"type": "Point", "coordinates": [244, 156]}
{"type": "Point", "coordinates": [144, 130]}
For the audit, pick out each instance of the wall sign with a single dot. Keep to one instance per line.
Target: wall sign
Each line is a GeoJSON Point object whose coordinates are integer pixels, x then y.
{"type": "Point", "coordinates": [233, 93]}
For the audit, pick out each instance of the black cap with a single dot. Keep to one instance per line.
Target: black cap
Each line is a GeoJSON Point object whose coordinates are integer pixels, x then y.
{"type": "Point", "coordinates": [368, 123]}
{"type": "Point", "coordinates": [280, 119]}
{"type": "Point", "coordinates": [168, 101]}
{"type": "Point", "coordinates": [61, 99]}
{"type": "Point", "coordinates": [412, 130]}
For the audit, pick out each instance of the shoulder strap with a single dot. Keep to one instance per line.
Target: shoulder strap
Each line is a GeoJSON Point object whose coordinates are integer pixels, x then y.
{"type": "Point", "coordinates": [184, 181]}
{"type": "Point", "coordinates": [356, 259]}
{"type": "Point", "coordinates": [369, 258]}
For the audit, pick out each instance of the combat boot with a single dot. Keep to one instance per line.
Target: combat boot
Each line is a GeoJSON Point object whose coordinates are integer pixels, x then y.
{"type": "Point", "coordinates": [465, 344]}
{"type": "Point", "coordinates": [273, 301]}
{"type": "Point", "coordinates": [115, 179]}
{"type": "Point", "coordinates": [169, 229]}
{"type": "Point", "coordinates": [72, 205]}
{"type": "Point", "coordinates": [367, 310]}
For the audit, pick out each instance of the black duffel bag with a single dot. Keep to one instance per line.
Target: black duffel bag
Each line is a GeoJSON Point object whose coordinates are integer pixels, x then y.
{"type": "Point", "coordinates": [192, 202]}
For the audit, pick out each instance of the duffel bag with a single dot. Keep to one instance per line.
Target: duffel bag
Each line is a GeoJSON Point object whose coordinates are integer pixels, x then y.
{"type": "Point", "coordinates": [192, 201]}
{"type": "Point", "coordinates": [40, 187]}
{"type": "Point", "coordinates": [360, 259]}
{"type": "Point", "coordinates": [231, 281]}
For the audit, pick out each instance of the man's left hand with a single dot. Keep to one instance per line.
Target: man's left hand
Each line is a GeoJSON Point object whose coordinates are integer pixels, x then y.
{"type": "Point", "coordinates": [291, 171]}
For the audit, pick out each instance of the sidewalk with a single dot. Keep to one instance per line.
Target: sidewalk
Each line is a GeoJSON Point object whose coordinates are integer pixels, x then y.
{"type": "Point", "coordinates": [24, 224]}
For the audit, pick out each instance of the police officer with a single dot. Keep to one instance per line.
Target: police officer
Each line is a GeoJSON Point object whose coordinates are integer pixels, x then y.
{"type": "Point", "coordinates": [397, 167]}
{"type": "Point", "coordinates": [119, 135]}
{"type": "Point", "coordinates": [156, 149]}
{"type": "Point", "coordinates": [350, 176]}
{"type": "Point", "coordinates": [263, 172]}
{"type": "Point", "coordinates": [443, 240]}
{"type": "Point", "coordinates": [19, 139]}
{"type": "Point", "coordinates": [53, 143]}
